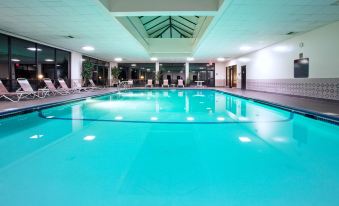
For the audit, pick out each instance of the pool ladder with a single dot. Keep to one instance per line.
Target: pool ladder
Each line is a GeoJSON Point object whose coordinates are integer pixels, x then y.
{"type": "Point", "coordinates": [122, 86]}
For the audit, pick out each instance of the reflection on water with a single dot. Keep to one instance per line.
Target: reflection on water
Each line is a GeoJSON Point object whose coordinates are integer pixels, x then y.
{"type": "Point", "coordinates": [169, 106]}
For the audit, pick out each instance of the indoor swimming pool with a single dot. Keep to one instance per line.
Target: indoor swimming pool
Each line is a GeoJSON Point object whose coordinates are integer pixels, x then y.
{"type": "Point", "coordinates": [167, 147]}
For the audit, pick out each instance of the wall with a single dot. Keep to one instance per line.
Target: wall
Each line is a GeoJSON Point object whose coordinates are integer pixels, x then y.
{"type": "Point", "coordinates": [272, 69]}
{"type": "Point", "coordinates": [220, 74]}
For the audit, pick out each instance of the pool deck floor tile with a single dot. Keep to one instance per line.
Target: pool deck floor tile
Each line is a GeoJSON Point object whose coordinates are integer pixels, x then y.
{"type": "Point", "coordinates": [325, 107]}
{"type": "Point", "coordinates": [7, 106]}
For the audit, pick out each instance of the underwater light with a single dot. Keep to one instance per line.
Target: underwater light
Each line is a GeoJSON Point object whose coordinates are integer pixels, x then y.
{"type": "Point", "coordinates": [89, 138]}
{"type": "Point", "coordinates": [245, 139]}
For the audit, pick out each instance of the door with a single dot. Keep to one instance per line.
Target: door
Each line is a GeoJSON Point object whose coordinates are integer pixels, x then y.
{"type": "Point", "coordinates": [243, 77]}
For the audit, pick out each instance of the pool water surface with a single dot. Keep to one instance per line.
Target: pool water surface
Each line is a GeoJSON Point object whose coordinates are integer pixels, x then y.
{"type": "Point", "coordinates": [167, 147]}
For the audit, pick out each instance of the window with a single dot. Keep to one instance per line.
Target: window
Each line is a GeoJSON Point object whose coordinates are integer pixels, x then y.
{"type": "Point", "coordinates": [139, 72]}
{"type": "Point", "coordinates": [172, 72]}
{"type": "Point", "coordinates": [62, 64]}
{"type": "Point", "coordinates": [4, 72]}
{"type": "Point", "coordinates": [202, 72]}
{"type": "Point", "coordinates": [100, 70]}
{"type": "Point", "coordinates": [46, 62]}
{"type": "Point", "coordinates": [23, 58]}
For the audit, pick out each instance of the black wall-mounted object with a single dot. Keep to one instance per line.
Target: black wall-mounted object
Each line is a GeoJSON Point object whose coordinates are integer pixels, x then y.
{"type": "Point", "coordinates": [301, 68]}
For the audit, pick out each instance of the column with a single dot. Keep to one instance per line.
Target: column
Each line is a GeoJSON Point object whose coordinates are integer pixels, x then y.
{"type": "Point", "coordinates": [76, 66]}
{"type": "Point", "coordinates": [187, 72]}
{"type": "Point", "coordinates": [157, 69]}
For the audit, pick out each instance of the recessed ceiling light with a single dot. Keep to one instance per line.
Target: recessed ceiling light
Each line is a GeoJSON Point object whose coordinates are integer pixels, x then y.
{"type": "Point", "coordinates": [88, 48]}
{"type": "Point", "coordinates": [49, 60]}
{"type": "Point", "coordinates": [118, 59]}
{"type": "Point", "coordinates": [133, 65]}
{"type": "Point", "coordinates": [154, 59]}
{"type": "Point", "coordinates": [33, 49]}
{"type": "Point", "coordinates": [190, 59]}
{"type": "Point", "coordinates": [15, 60]}
{"type": "Point", "coordinates": [221, 59]}
{"type": "Point", "coordinates": [245, 48]}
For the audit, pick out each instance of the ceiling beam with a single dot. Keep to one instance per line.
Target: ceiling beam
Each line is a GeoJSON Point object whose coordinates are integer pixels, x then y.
{"type": "Point", "coordinates": [183, 24]}
{"type": "Point", "coordinates": [151, 20]}
{"type": "Point", "coordinates": [180, 32]}
{"type": "Point", "coordinates": [157, 24]}
{"type": "Point", "coordinates": [191, 34]}
{"type": "Point", "coordinates": [158, 30]}
{"type": "Point", "coordinates": [188, 20]}
{"type": "Point", "coordinates": [162, 32]}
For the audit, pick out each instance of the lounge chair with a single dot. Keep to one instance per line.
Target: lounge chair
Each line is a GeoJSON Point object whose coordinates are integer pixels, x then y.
{"type": "Point", "coordinates": [93, 86]}
{"type": "Point", "coordinates": [130, 83]}
{"type": "Point", "coordinates": [181, 83]}
{"type": "Point", "coordinates": [64, 86]}
{"type": "Point", "coordinates": [149, 83]}
{"type": "Point", "coordinates": [26, 87]}
{"type": "Point", "coordinates": [77, 86]}
{"type": "Point", "coordinates": [53, 89]}
{"type": "Point", "coordinates": [165, 83]}
{"type": "Point", "coordinates": [12, 96]}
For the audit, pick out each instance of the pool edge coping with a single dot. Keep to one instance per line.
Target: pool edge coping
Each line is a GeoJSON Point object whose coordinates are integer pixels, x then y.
{"type": "Point", "coordinates": [304, 112]}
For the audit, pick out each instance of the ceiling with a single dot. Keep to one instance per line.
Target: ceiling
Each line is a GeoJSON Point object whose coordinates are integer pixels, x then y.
{"type": "Point", "coordinates": [169, 26]}
{"type": "Point", "coordinates": [235, 23]}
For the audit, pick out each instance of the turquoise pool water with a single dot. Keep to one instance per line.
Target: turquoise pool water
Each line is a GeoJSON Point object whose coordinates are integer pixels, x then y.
{"type": "Point", "coordinates": [167, 147]}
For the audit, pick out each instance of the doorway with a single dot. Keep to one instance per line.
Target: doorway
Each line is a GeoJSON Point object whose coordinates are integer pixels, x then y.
{"type": "Point", "coordinates": [243, 77]}
{"type": "Point", "coordinates": [231, 76]}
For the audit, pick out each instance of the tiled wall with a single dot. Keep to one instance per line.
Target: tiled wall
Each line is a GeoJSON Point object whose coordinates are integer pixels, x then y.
{"type": "Point", "coordinates": [220, 82]}
{"type": "Point", "coordinates": [326, 88]}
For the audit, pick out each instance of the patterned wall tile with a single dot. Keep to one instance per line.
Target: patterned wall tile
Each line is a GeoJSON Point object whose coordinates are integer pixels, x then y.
{"type": "Point", "coordinates": [326, 88]}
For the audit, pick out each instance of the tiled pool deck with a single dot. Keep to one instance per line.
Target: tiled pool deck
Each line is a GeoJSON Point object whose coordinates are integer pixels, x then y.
{"type": "Point", "coordinates": [320, 106]}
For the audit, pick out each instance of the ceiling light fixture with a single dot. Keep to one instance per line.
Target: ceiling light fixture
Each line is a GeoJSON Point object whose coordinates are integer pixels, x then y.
{"type": "Point", "coordinates": [15, 60]}
{"type": "Point", "coordinates": [221, 59]}
{"type": "Point", "coordinates": [49, 60]}
{"type": "Point", "coordinates": [154, 59]}
{"type": "Point", "coordinates": [118, 59]}
{"type": "Point", "coordinates": [88, 48]}
{"type": "Point", "coordinates": [190, 59]}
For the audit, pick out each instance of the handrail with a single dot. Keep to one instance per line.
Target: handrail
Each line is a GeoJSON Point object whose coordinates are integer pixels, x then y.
{"type": "Point", "coordinates": [122, 85]}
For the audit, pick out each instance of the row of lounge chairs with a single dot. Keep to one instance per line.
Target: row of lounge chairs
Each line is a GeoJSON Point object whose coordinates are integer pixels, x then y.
{"type": "Point", "coordinates": [165, 83]}
{"type": "Point", "coordinates": [26, 91]}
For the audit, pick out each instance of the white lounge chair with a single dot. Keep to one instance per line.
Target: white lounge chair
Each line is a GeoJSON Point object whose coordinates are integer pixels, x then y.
{"type": "Point", "coordinates": [165, 83]}
{"type": "Point", "coordinates": [130, 83]}
{"type": "Point", "coordinates": [12, 96]}
{"type": "Point", "coordinates": [93, 86]}
{"type": "Point", "coordinates": [149, 83]}
{"type": "Point", "coordinates": [53, 89]}
{"type": "Point", "coordinates": [64, 86]}
{"type": "Point", "coordinates": [26, 87]}
{"type": "Point", "coordinates": [181, 83]}
{"type": "Point", "coordinates": [77, 86]}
